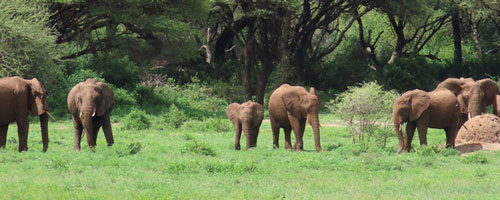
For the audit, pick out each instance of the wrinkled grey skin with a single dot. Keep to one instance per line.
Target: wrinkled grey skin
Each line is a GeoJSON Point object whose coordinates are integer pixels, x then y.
{"type": "Point", "coordinates": [247, 117]}
{"type": "Point", "coordinates": [90, 104]}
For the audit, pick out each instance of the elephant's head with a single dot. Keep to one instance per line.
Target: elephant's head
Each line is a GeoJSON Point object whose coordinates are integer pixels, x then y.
{"type": "Point", "coordinates": [305, 106]}
{"type": "Point", "coordinates": [250, 115]}
{"type": "Point", "coordinates": [408, 107]}
{"type": "Point", "coordinates": [37, 98]}
{"type": "Point", "coordinates": [473, 96]}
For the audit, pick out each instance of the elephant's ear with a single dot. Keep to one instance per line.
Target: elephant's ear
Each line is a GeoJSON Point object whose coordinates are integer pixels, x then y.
{"type": "Point", "coordinates": [232, 112]}
{"type": "Point", "coordinates": [292, 103]}
{"type": "Point", "coordinates": [419, 101]}
{"type": "Point", "coordinates": [258, 114]}
{"type": "Point", "coordinates": [108, 100]}
{"type": "Point", "coordinates": [37, 97]}
{"type": "Point", "coordinates": [490, 89]}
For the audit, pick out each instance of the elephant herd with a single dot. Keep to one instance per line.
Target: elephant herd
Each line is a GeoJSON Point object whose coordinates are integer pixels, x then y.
{"type": "Point", "coordinates": [448, 107]}
{"type": "Point", "coordinates": [289, 108]}
{"type": "Point", "coordinates": [90, 103]}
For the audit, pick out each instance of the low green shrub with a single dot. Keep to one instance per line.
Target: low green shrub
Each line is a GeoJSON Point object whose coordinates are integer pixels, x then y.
{"type": "Point", "coordinates": [137, 120]}
{"type": "Point", "coordinates": [197, 147]}
{"type": "Point", "coordinates": [174, 118]}
{"type": "Point", "coordinates": [475, 158]}
{"type": "Point", "coordinates": [130, 149]}
{"type": "Point", "coordinates": [215, 124]}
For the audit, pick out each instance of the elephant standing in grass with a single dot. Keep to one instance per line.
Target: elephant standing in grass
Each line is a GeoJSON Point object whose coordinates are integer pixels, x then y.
{"type": "Point", "coordinates": [473, 96]}
{"type": "Point", "coordinates": [422, 110]}
{"type": "Point", "coordinates": [90, 104]}
{"type": "Point", "coordinates": [17, 97]}
{"type": "Point", "coordinates": [248, 117]}
{"type": "Point", "coordinates": [289, 108]}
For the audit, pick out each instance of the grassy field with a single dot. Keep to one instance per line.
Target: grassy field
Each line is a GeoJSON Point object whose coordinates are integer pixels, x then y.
{"type": "Point", "coordinates": [187, 163]}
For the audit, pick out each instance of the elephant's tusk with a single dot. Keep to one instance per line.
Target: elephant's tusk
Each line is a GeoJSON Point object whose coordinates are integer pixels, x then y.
{"type": "Point", "coordinates": [80, 114]}
{"type": "Point", "coordinates": [468, 115]}
{"type": "Point", "coordinates": [400, 125]}
{"type": "Point", "coordinates": [51, 117]}
{"type": "Point", "coordinates": [93, 113]}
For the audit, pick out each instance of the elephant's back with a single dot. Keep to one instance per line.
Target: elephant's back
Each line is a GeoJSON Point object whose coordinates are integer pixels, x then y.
{"type": "Point", "coordinates": [444, 106]}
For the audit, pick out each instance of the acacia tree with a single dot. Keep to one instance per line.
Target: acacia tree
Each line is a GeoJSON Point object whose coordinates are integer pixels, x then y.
{"type": "Point", "coordinates": [28, 46]}
{"type": "Point", "coordinates": [160, 31]}
{"type": "Point", "coordinates": [296, 34]}
{"type": "Point", "coordinates": [413, 23]}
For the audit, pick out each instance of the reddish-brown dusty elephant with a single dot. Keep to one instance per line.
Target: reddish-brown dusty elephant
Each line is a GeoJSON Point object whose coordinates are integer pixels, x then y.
{"type": "Point", "coordinates": [17, 97]}
{"type": "Point", "coordinates": [473, 96]}
{"type": "Point", "coordinates": [90, 104]}
{"type": "Point", "coordinates": [289, 108]}
{"type": "Point", "coordinates": [248, 117]}
{"type": "Point", "coordinates": [422, 110]}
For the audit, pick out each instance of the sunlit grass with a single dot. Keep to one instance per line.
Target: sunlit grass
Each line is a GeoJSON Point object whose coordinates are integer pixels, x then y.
{"type": "Point", "coordinates": [167, 166]}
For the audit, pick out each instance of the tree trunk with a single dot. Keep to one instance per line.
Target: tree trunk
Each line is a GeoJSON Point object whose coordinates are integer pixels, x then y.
{"type": "Point", "coordinates": [475, 38]}
{"type": "Point", "coordinates": [457, 38]}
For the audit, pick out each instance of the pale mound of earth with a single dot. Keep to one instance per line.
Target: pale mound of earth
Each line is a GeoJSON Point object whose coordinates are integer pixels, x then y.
{"type": "Point", "coordinates": [480, 132]}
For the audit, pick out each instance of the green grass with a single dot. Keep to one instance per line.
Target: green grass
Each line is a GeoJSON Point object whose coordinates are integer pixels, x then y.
{"type": "Point", "coordinates": [188, 163]}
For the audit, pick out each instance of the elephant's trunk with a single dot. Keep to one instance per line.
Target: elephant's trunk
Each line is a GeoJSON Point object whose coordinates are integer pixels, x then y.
{"type": "Point", "coordinates": [475, 107]}
{"type": "Point", "coordinates": [251, 140]}
{"type": "Point", "coordinates": [86, 115]}
{"type": "Point", "coordinates": [314, 121]}
{"type": "Point", "coordinates": [399, 133]}
{"type": "Point", "coordinates": [44, 121]}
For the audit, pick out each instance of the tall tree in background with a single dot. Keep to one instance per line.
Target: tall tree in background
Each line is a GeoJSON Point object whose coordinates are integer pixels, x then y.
{"type": "Point", "coordinates": [144, 30]}
{"type": "Point", "coordinates": [27, 45]}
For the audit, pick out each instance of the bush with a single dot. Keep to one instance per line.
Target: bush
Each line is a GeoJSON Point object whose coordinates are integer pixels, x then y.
{"type": "Point", "coordinates": [408, 73]}
{"type": "Point", "coordinates": [137, 120]}
{"type": "Point", "coordinates": [174, 118]}
{"type": "Point", "coordinates": [209, 124]}
{"type": "Point", "coordinates": [130, 149]}
{"type": "Point", "coordinates": [361, 106]}
{"type": "Point", "coordinates": [197, 147]}
{"type": "Point", "coordinates": [475, 158]}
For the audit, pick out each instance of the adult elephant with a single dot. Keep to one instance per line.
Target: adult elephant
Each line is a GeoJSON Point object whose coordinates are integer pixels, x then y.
{"type": "Point", "coordinates": [473, 96]}
{"type": "Point", "coordinates": [422, 110]}
{"type": "Point", "coordinates": [90, 104]}
{"type": "Point", "coordinates": [289, 108]}
{"type": "Point", "coordinates": [248, 117]}
{"type": "Point", "coordinates": [17, 97]}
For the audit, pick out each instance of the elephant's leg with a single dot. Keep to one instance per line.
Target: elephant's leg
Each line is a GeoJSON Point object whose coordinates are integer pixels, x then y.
{"type": "Point", "coordinates": [451, 134]}
{"type": "Point", "coordinates": [298, 129]}
{"type": "Point", "coordinates": [96, 125]}
{"type": "Point", "coordinates": [22, 130]}
{"type": "Point", "coordinates": [422, 133]}
{"type": "Point", "coordinates": [237, 137]}
{"type": "Point", "coordinates": [78, 134]}
{"type": "Point", "coordinates": [106, 128]}
{"type": "Point", "coordinates": [299, 133]}
{"type": "Point", "coordinates": [253, 136]}
{"type": "Point", "coordinates": [410, 131]}
{"type": "Point", "coordinates": [288, 138]}
{"type": "Point", "coordinates": [3, 135]}
{"type": "Point", "coordinates": [276, 133]}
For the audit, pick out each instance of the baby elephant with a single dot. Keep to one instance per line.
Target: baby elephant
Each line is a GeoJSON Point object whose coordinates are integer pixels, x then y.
{"type": "Point", "coordinates": [247, 116]}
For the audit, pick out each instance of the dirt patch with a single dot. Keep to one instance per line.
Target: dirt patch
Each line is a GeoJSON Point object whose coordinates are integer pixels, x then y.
{"type": "Point", "coordinates": [480, 132]}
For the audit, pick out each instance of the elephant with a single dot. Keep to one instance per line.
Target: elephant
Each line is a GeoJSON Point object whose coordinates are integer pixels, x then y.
{"type": "Point", "coordinates": [422, 110]}
{"type": "Point", "coordinates": [248, 117]}
{"type": "Point", "coordinates": [473, 96]}
{"type": "Point", "coordinates": [17, 97]}
{"type": "Point", "coordinates": [289, 108]}
{"type": "Point", "coordinates": [90, 104]}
